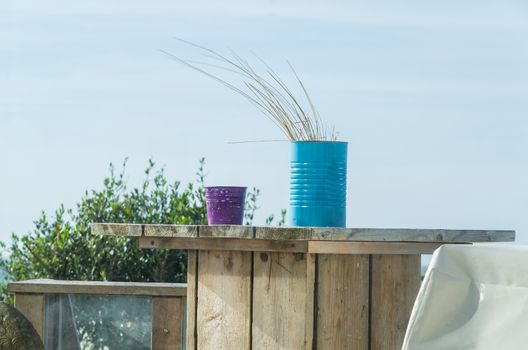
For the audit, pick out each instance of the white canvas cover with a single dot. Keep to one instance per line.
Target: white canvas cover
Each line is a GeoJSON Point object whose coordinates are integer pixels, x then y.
{"type": "Point", "coordinates": [472, 297]}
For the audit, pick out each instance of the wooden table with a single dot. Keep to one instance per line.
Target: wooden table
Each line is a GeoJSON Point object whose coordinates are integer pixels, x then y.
{"type": "Point", "coordinates": [299, 288]}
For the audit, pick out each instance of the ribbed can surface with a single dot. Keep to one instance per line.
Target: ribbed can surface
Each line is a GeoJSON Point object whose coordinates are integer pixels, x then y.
{"type": "Point", "coordinates": [318, 184]}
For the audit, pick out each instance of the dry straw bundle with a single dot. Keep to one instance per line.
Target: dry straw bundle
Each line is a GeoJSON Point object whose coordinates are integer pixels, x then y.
{"type": "Point", "coordinates": [267, 92]}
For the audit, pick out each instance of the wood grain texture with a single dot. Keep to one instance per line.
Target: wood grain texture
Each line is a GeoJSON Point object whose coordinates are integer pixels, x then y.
{"type": "Point", "coordinates": [395, 280]}
{"type": "Point", "coordinates": [233, 231]}
{"type": "Point", "coordinates": [166, 323]}
{"type": "Point", "coordinates": [311, 270]}
{"type": "Point", "coordinates": [224, 296]}
{"type": "Point", "coordinates": [340, 247]}
{"type": "Point", "coordinates": [282, 306]}
{"type": "Point", "coordinates": [47, 286]}
{"type": "Point", "coordinates": [190, 309]}
{"type": "Point", "coordinates": [295, 246]}
{"type": "Point", "coordinates": [117, 229]}
{"type": "Point", "coordinates": [32, 307]}
{"type": "Point", "coordinates": [312, 233]}
{"type": "Point", "coordinates": [227, 244]}
{"type": "Point", "coordinates": [171, 230]}
{"type": "Point", "coordinates": [343, 302]}
{"type": "Point", "coordinates": [411, 235]}
{"type": "Point", "coordinates": [274, 232]}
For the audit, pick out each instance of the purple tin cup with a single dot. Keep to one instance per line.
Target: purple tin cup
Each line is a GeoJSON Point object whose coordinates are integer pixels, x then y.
{"type": "Point", "coordinates": [225, 205]}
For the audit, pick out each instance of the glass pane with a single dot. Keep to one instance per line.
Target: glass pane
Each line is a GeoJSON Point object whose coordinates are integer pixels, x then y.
{"type": "Point", "coordinates": [92, 322]}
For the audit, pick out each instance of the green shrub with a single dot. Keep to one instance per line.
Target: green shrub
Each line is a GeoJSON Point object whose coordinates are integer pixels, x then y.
{"type": "Point", "coordinates": [62, 246]}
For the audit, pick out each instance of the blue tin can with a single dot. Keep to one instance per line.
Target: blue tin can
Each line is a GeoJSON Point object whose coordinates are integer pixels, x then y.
{"type": "Point", "coordinates": [318, 183]}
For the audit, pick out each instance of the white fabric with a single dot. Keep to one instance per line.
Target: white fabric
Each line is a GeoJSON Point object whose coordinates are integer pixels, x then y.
{"type": "Point", "coordinates": [472, 297]}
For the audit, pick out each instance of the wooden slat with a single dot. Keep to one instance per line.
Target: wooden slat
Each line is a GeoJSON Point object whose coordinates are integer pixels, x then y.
{"type": "Point", "coordinates": [335, 247]}
{"type": "Point", "coordinates": [224, 290]}
{"type": "Point", "coordinates": [171, 230]}
{"type": "Point", "coordinates": [394, 286]}
{"type": "Point", "coordinates": [32, 306]}
{"type": "Point", "coordinates": [239, 231]}
{"type": "Point", "coordinates": [117, 229]}
{"type": "Point", "coordinates": [296, 246]}
{"type": "Point", "coordinates": [47, 286]}
{"type": "Point", "coordinates": [166, 323]}
{"type": "Point", "coordinates": [312, 233]}
{"type": "Point", "coordinates": [282, 307]}
{"type": "Point", "coordinates": [411, 235]}
{"type": "Point", "coordinates": [192, 283]}
{"type": "Point", "coordinates": [281, 232]}
{"type": "Point", "coordinates": [228, 244]}
{"type": "Point", "coordinates": [343, 302]}
{"type": "Point", "coordinates": [311, 270]}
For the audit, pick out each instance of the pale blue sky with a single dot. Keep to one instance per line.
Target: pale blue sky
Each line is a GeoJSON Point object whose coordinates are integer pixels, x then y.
{"type": "Point", "coordinates": [431, 96]}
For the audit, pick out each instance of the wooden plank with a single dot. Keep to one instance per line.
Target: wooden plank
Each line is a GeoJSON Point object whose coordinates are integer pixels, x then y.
{"type": "Point", "coordinates": [411, 235]}
{"type": "Point", "coordinates": [171, 230]}
{"type": "Point", "coordinates": [32, 306]}
{"type": "Point", "coordinates": [395, 280]}
{"type": "Point", "coordinates": [224, 299]}
{"type": "Point", "coordinates": [192, 295]}
{"type": "Point", "coordinates": [335, 247]}
{"type": "Point", "coordinates": [274, 232]}
{"type": "Point", "coordinates": [47, 286]}
{"type": "Point", "coordinates": [282, 306]}
{"type": "Point", "coordinates": [166, 323]}
{"type": "Point", "coordinates": [295, 246]}
{"type": "Point", "coordinates": [313, 233]}
{"type": "Point", "coordinates": [239, 231]}
{"type": "Point", "coordinates": [343, 302]}
{"type": "Point", "coordinates": [311, 270]}
{"type": "Point", "coordinates": [228, 244]}
{"type": "Point", "coordinates": [132, 230]}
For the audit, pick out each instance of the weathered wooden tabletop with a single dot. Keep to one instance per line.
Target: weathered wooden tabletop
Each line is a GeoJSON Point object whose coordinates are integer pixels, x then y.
{"type": "Point", "coordinates": [306, 233]}
{"type": "Point", "coordinates": [299, 239]}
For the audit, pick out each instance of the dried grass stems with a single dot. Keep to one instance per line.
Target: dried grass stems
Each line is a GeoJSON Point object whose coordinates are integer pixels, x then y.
{"type": "Point", "coordinates": [268, 92]}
